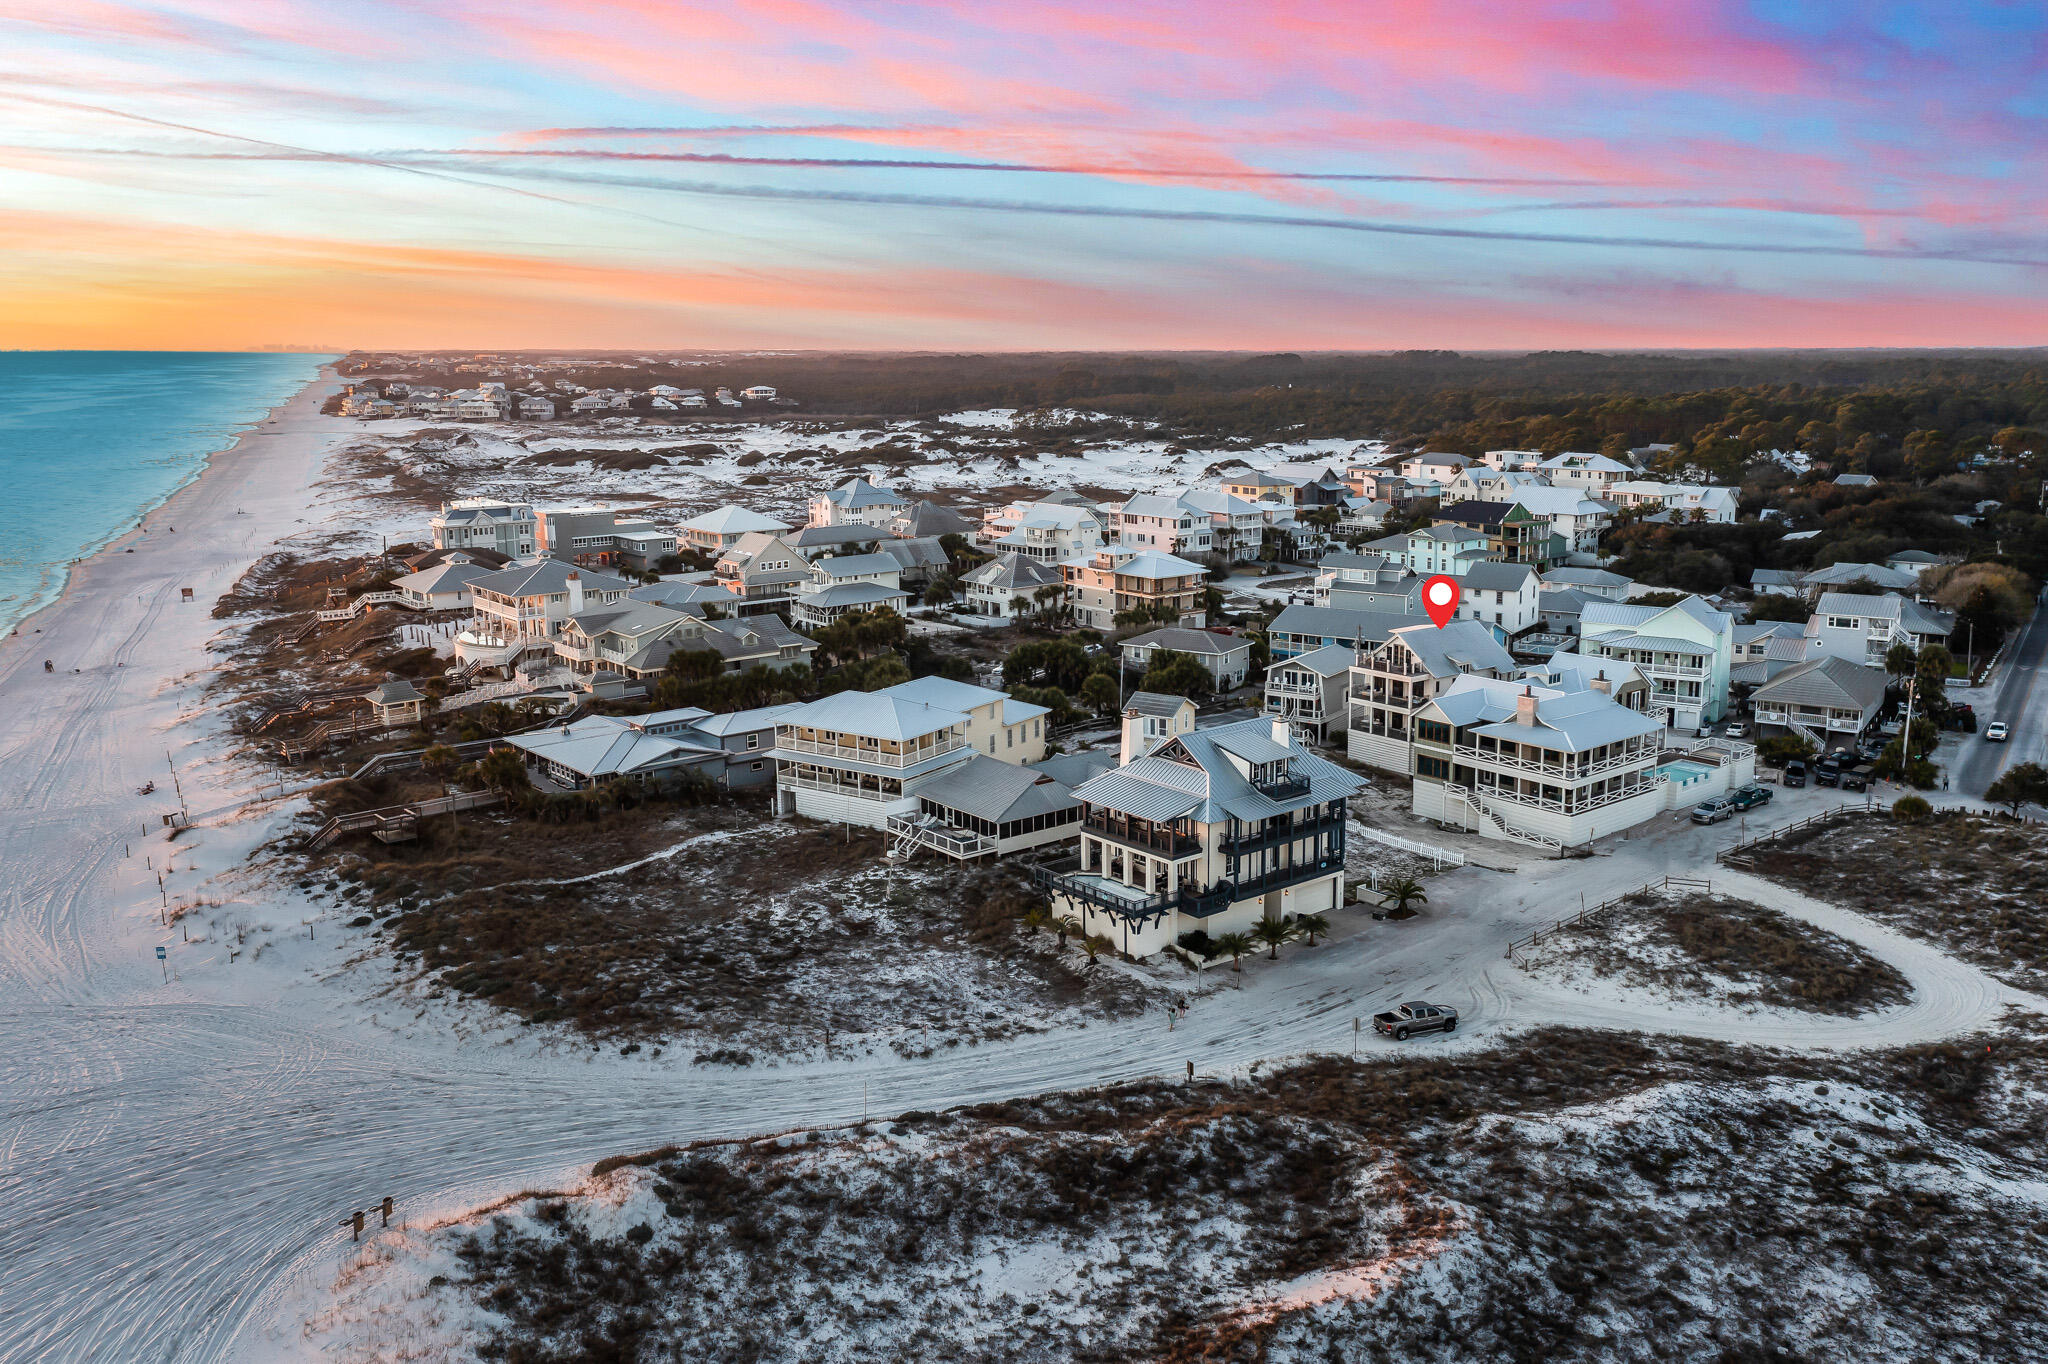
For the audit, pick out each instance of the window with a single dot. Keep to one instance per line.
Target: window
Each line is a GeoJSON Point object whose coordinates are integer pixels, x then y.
{"type": "Point", "coordinates": [1433, 767]}
{"type": "Point", "coordinates": [1433, 731]}
{"type": "Point", "coordinates": [753, 741]}
{"type": "Point", "coordinates": [756, 767]}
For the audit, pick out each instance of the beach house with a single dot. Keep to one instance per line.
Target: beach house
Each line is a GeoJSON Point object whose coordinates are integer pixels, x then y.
{"type": "Point", "coordinates": [1309, 691]}
{"type": "Point", "coordinates": [1226, 658]}
{"type": "Point", "coordinates": [1685, 650]}
{"type": "Point", "coordinates": [1392, 677]}
{"type": "Point", "coordinates": [1213, 831]}
{"type": "Point", "coordinates": [860, 757]}
{"type": "Point", "coordinates": [509, 528]}
{"type": "Point", "coordinates": [714, 532]}
{"type": "Point", "coordinates": [1115, 581]}
{"type": "Point", "coordinates": [856, 501]}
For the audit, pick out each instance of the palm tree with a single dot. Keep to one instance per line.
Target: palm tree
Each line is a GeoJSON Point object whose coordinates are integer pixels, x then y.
{"type": "Point", "coordinates": [1399, 895]}
{"type": "Point", "coordinates": [1036, 918]}
{"type": "Point", "coordinates": [1271, 932]}
{"type": "Point", "coordinates": [1312, 924]}
{"type": "Point", "coordinates": [1236, 944]}
{"type": "Point", "coordinates": [1094, 947]}
{"type": "Point", "coordinates": [1066, 924]}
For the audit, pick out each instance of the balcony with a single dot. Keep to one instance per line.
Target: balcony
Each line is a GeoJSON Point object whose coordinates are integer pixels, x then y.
{"type": "Point", "coordinates": [1141, 835]}
{"type": "Point", "coordinates": [798, 781]}
{"type": "Point", "coordinates": [1136, 905]}
{"type": "Point", "coordinates": [1576, 806]}
{"type": "Point", "coordinates": [873, 757]}
{"type": "Point", "coordinates": [1672, 670]}
{"type": "Point", "coordinates": [1290, 787]}
{"type": "Point", "coordinates": [1279, 831]}
{"type": "Point", "coordinates": [1276, 687]}
{"type": "Point", "coordinates": [1561, 771]}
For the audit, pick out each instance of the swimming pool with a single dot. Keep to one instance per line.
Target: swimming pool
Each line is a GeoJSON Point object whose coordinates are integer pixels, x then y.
{"type": "Point", "coordinates": [1684, 772]}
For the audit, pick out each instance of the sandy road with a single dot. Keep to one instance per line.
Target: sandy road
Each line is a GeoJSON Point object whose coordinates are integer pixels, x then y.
{"type": "Point", "coordinates": [174, 1158]}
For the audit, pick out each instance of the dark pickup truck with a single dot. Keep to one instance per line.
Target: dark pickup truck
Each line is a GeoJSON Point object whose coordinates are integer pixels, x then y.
{"type": "Point", "coordinates": [1404, 1019]}
{"type": "Point", "coordinates": [1841, 769]}
{"type": "Point", "coordinates": [1795, 773]}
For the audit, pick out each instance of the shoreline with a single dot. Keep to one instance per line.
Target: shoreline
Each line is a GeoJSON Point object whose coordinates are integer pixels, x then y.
{"type": "Point", "coordinates": [210, 466]}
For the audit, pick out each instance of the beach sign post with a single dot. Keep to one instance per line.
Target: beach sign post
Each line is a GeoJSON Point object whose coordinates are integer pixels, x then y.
{"type": "Point", "coordinates": [161, 954]}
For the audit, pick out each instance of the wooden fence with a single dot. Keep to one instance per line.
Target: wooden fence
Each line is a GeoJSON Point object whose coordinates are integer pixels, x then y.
{"type": "Point", "coordinates": [1552, 930]}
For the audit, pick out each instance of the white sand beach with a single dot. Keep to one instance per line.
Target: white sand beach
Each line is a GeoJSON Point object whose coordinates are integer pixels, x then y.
{"type": "Point", "coordinates": [180, 1142]}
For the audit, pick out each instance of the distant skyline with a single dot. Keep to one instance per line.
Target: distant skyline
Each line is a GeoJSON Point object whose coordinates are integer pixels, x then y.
{"type": "Point", "coordinates": [1040, 175]}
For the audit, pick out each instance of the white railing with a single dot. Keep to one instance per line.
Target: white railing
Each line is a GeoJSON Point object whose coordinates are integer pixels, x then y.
{"type": "Point", "coordinates": [797, 779]}
{"type": "Point", "coordinates": [872, 756]}
{"type": "Point", "coordinates": [1564, 773]}
{"type": "Point", "coordinates": [1577, 807]}
{"type": "Point", "coordinates": [1443, 857]}
{"type": "Point", "coordinates": [1294, 688]}
{"type": "Point", "coordinates": [1672, 670]}
{"type": "Point", "coordinates": [361, 604]}
{"type": "Point", "coordinates": [923, 831]}
{"type": "Point", "coordinates": [1477, 803]}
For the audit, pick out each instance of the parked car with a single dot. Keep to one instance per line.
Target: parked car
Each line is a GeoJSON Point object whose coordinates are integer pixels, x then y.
{"type": "Point", "coordinates": [1840, 768]}
{"type": "Point", "coordinates": [1795, 773]}
{"type": "Point", "coordinates": [1415, 1017]}
{"type": "Point", "coordinates": [1750, 796]}
{"type": "Point", "coordinates": [1736, 730]}
{"type": "Point", "coordinates": [1995, 732]}
{"type": "Point", "coordinates": [1713, 811]}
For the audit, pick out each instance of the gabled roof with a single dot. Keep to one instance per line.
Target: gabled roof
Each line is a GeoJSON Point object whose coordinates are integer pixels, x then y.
{"type": "Point", "coordinates": [1012, 573]}
{"type": "Point", "coordinates": [1328, 661]}
{"type": "Point", "coordinates": [854, 565]}
{"type": "Point", "coordinates": [1335, 622]}
{"type": "Point", "coordinates": [1153, 564]}
{"type": "Point", "coordinates": [1580, 460]}
{"type": "Point", "coordinates": [1476, 512]}
{"type": "Point", "coordinates": [1490, 576]}
{"type": "Point", "coordinates": [857, 492]}
{"type": "Point", "coordinates": [732, 520]}
{"type": "Point", "coordinates": [873, 715]}
{"type": "Point", "coordinates": [989, 788]}
{"type": "Point", "coordinates": [851, 594]}
{"type": "Point", "coordinates": [602, 746]}
{"type": "Point", "coordinates": [1462, 646]}
{"type": "Point", "coordinates": [441, 578]}
{"type": "Point", "coordinates": [1194, 775]}
{"type": "Point", "coordinates": [1566, 672]}
{"type": "Point", "coordinates": [816, 537]}
{"type": "Point", "coordinates": [1567, 721]}
{"type": "Point", "coordinates": [1183, 641]}
{"type": "Point", "coordinates": [1628, 614]}
{"type": "Point", "coordinates": [1156, 703]}
{"type": "Point", "coordinates": [744, 721]}
{"type": "Point", "coordinates": [929, 518]}
{"type": "Point", "coordinates": [683, 596]}
{"type": "Point", "coordinates": [1826, 682]}
{"type": "Point", "coordinates": [945, 692]}
{"type": "Point", "coordinates": [922, 551]}
{"type": "Point", "coordinates": [1877, 575]}
{"type": "Point", "coordinates": [395, 693]}
{"type": "Point", "coordinates": [1545, 500]}
{"type": "Point", "coordinates": [533, 578]}
{"type": "Point", "coordinates": [1154, 504]}
{"type": "Point", "coordinates": [1586, 577]}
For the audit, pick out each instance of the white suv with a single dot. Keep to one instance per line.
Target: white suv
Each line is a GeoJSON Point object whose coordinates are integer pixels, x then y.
{"type": "Point", "coordinates": [1996, 732]}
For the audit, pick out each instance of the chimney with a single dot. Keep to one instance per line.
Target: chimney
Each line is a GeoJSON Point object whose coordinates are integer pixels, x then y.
{"type": "Point", "coordinates": [1281, 734]}
{"type": "Point", "coordinates": [1133, 745]}
{"type": "Point", "coordinates": [575, 594]}
{"type": "Point", "coordinates": [1525, 707]}
{"type": "Point", "coordinates": [1602, 685]}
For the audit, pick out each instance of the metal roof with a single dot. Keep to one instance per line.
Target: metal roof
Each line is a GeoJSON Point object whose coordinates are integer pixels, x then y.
{"type": "Point", "coordinates": [855, 565]}
{"type": "Point", "coordinates": [851, 594]}
{"type": "Point", "coordinates": [546, 576]}
{"type": "Point", "coordinates": [1186, 641]}
{"type": "Point", "coordinates": [989, 788]}
{"type": "Point", "coordinates": [1156, 703]}
{"type": "Point", "coordinates": [1461, 646]}
{"type": "Point", "coordinates": [732, 520]}
{"type": "Point", "coordinates": [1826, 681]}
{"type": "Point", "coordinates": [743, 721]}
{"type": "Point", "coordinates": [1328, 661]}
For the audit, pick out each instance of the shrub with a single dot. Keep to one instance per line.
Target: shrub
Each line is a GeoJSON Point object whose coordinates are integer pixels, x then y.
{"type": "Point", "coordinates": [1911, 809]}
{"type": "Point", "coordinates": [1198, 942]}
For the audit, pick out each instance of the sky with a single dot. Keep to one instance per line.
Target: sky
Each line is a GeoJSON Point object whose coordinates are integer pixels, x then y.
{"type": "Point", "coordinates": [1023, 175]}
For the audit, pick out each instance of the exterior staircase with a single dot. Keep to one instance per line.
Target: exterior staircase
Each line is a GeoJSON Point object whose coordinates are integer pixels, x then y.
{"type": "Point", "coordinates": [1478, 803]}
{"type": "Point", "coordinates": [360, 605]}
{"type": "Point", "coordinates": [923, 831]}
{"type": "Point", "coordinates": [397, 823]}
{"type": "Point", "coordinates": [327, 731]}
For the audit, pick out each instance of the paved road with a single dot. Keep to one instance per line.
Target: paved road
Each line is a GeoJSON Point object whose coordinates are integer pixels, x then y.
{"type": "Point", "coordinates": [2018, 697]}
{"type": "Point", "coordinates": [174, 1157]}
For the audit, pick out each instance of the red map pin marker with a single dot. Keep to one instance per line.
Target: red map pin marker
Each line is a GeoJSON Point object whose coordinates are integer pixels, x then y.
{"type": "Point", "coordinates": [1440, 599]}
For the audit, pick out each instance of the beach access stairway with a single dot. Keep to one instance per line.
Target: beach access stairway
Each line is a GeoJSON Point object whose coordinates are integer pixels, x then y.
{"type": "Point", "coordinates": [362, 604]}
{"type": "Point", "coordinates": [397, 823]}
{"type": "Point", "coordinates": [311, 701]}
{"type": "Point", "coordinates": [326, 732]}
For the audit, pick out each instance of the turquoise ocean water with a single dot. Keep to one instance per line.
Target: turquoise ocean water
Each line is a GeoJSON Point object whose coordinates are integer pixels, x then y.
{"type": "Point", "coordinates": [92, 440]}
